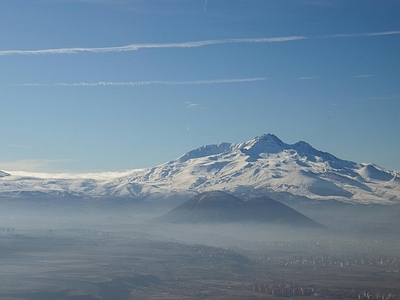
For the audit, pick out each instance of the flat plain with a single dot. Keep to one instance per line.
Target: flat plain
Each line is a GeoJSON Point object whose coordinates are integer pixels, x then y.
{"type": "Point", "coordinates": [86, 264]}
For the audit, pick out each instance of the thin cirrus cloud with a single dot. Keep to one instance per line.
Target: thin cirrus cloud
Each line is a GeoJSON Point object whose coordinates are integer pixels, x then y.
{"type": "Point", "coordinates": [195, 44]}
{"type": "Point", "coordinates": [31, 164]}
{"type": "Point", "coordinates": [191, 105]}
{"type": "Point", "coordinates": [136, 47]}
{"type": "Point", "coordinates": [142, 83]}
{"type": "Point", "coordinates": [363, 76]}
{"type": "Point", "coordinates": [34, 170]}
{"type": "Point", "coordinates": [308, 78]}
{"type": "Point", "coordinates": [367, 34]}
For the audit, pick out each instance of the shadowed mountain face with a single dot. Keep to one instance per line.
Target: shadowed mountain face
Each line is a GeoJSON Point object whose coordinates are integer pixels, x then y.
{"type": "Point", "coordinates": [221, 207]}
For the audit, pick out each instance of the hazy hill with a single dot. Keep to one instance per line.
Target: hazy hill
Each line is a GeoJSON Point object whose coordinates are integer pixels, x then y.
{"type": "Point", "coordinates": [221, 207]}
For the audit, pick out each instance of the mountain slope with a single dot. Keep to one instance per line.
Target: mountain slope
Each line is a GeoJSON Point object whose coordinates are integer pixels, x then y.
{"type": "Point", "coordinates": [221, 207]}
{"type": "Point", "coordinates": [215, 206]}
{"type": "Point", "coordinates": [259, 166]}
{"type": "Point", "coordinates": [266, 164]}
{"type": "Point", "coordinates": [2, 174]}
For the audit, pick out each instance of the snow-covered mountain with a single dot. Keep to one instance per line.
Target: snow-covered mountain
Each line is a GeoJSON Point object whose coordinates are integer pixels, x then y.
{"type": "Point", "coordinates": [2, 174]}
{"type": "Point", "coordinates": [260, 166]}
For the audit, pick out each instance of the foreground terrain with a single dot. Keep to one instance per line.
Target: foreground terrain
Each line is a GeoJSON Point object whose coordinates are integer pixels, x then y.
{"type": "Point", "coordinates": [141, 261]}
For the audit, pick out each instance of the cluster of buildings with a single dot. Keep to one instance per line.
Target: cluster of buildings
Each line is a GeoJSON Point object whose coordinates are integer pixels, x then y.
{"type": "Point", "coordinates": [378, 296]}
{"type": "Point", "coordinates": [288, 290]}
{"type": "Point", "coordinates": [390, 263]}
{"type": "Point", "coordinates": [7, 230]}
{"type": "Point", "coordinates": [373, 262]}
{"type": "Point", "coordinates": [98, 232]}
{"type": "Point", "coordinates": [285, 290]}
{"type": "Point", "coordinates": [335, 244]}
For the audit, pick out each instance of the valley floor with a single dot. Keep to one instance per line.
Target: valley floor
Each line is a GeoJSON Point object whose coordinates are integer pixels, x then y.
{"type": "Point", "coordinates": [88, 264]}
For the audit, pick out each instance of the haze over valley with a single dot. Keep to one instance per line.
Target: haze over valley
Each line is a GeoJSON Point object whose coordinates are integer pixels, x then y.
{"type": "Point", "coordinates": [202, 149]}
{"type": "Point", "coordinates": [211, 211]}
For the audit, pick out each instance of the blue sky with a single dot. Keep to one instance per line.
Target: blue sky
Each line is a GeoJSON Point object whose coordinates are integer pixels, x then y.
{"type": "Point", "coordinates": [101, 85]}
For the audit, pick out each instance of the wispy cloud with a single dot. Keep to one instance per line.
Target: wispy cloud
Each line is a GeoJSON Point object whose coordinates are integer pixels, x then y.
{"type": "Point", "coordinates": [49, 169]}
{"type": "Point", "coordinates": [195, 44]}
{"type": "Point", "coordinates": [308, 78]}
{"type": "Point", "coordinates": [365, 34]}
{"type": "Point", "coordinates": [135, 47]}
{"type": "Point", "coordinates": [395, 97]}
{"type": "Point", "coordinates": [191, 105]}
{"type": "Point", "coordinates": [141, 83]}
{"type": "Point", "coordinates": [363, 76]}
{"type": "Point", "coordinates": [65, 176]}
{"type": "Point", "coordinates": [31, 165]}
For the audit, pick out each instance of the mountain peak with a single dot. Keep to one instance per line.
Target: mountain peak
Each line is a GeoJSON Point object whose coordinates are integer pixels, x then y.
{"type": "Point", "coordinates": [269, 137]}
{"type": "Point", "coordinates": [266, 143]}
{"type": "Point", "coordinates": [302, 144]}
{"type": "Point", "coordinates": [222, 207]}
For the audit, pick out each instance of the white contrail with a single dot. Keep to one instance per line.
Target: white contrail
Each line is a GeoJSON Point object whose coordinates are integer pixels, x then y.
{"type": "Point", "coordinates": [139, 83]}
{"type": "Point", "coordinates": [363, 76]}
{"type": "Point", "coordinates": [195, 44]}
{"type": "Point", "coordinates": [135, 47]}
{"type": "Point", "coordinates": [345, 35]}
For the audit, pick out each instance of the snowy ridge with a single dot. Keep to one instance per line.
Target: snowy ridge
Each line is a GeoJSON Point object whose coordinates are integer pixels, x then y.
{"type": "Point", "coordinates": [262, 165]}
{"type": "Point", "coordinates": [2, 174]}
{"type": "Point", "coordinates": [206, 151]}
